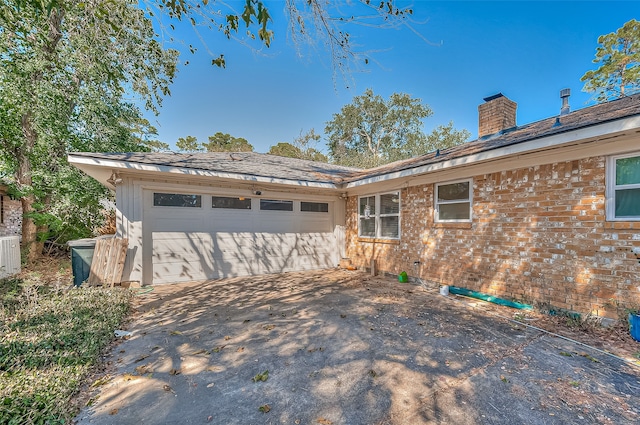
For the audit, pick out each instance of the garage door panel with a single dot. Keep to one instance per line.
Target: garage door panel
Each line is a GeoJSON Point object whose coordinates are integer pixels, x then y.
{"type": "Point", "coordinates": [272, 222]}
{"type": "Point", "coordinates": [313, 261]}
{"type": "Point", "coordinates": [191, 223]}
{"type": "Point", "coordinates": [179, 244]}
{"type": "Point", "coordinates": [233, 270]}
{"type": "Point", "coordinates": [238, 221]}
{"type": "Point", "coordinates": [182, 271]}
{"type": "Point", "coordinates": [311, 224]}
{"type": "Point", "coordinates": [190, 244]}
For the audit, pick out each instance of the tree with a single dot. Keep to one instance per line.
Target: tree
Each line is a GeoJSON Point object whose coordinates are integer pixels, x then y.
{"type": "Point", "coordinates": [307, 143]}
{"type": "Point", "coordinates": [285, 149]}
{"type": "Point", "coordinates": [224, 142]}
{"type": "Point", "coordinates": [188, 144]}
{"type": "Point", "coordinates": [65, 67]}
{"type": "Point", "coordinates": [371, 131]}
{"type": "Point", "coordinates": [303, 147]}
{"type": "Point", "coordinates": [365, 132]}
{"type": "Point", "coordinates": [619, 72]}
{"type": "Point", "coordinates": [442, 137]}
{"type": "Point", "coordinates": [146, 134]}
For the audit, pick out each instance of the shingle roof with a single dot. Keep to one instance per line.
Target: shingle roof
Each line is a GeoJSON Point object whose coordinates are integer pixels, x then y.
{"type": "Point", "coordinates": [597, 114]}
{"type": "Point", "coordinates": [271, 166]}
{"type": "Point", "coordinates": [248, 163]}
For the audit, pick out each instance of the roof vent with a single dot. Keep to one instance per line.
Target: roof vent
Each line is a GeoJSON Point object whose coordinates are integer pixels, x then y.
{"type": "Point", "coordinates": [564, 95]}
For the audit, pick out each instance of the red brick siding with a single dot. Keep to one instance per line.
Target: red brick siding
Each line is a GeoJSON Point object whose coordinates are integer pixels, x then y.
{"type": "Point", "coordinates": [11, 224]}
{"type": "Point", "coordinates": [537, 235]}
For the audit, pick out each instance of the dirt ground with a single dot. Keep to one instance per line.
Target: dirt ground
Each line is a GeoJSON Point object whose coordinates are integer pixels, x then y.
{"type": "Point", "coordinates": [612, 337]}
{"type": "Point", "coordinates": [340, 347]}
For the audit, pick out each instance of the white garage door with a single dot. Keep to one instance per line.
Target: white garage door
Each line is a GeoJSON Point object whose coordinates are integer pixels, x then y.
{"type": "Point", "coordinates": [198, 237]}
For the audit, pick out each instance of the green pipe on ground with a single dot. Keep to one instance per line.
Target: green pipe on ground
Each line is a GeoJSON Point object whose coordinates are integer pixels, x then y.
{"type": "Point", "coordinates": [479, 295]}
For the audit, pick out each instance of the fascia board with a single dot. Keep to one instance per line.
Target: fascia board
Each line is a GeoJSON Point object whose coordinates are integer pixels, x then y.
{"type": "Point", "coordinates": [130, 166]}
{"type": "Point", "coordinates": [549, 142]}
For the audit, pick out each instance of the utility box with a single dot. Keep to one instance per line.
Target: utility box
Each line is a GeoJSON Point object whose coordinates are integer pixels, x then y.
{"type": "Point", "coordinates": [9, 256]}
{"type": "Point", "coordinates": [81, 258]}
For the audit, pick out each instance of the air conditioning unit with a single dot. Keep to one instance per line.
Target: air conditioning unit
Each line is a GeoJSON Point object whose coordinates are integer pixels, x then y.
{"type": "Point", "coordinates": [9, 256]}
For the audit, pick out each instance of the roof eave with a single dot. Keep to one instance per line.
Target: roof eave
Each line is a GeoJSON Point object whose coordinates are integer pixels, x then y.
{"type": "Point", "coordinates": [546, 142]}
{"type": "Point", "coordinates": [95, 167]}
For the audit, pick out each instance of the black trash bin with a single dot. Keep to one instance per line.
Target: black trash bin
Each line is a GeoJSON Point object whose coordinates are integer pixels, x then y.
{"type": "Point", "coordinates": [81, 257]}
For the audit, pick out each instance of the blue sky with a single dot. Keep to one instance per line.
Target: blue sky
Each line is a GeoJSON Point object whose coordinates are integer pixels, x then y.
{"type": "Point", "coordinates": [528, 51]}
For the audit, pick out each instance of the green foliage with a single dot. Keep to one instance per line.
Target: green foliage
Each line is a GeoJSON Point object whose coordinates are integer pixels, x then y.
{"type": "Point", "coordinates": [224, 142]}
{"type": "Point", "coordinates": [372, 131]}
{"type": "Point", "coordinates": [49, 340]}
{"type": "Point", "coordinates": [303, 147]}
{"type": "Point", "coordinates": [65, 69]}
{"type": "Point", "coordinates": [442, 137]}
{"type": "Point", "coordinates": [285, 149]}
{"type": "Point", "coordinates": [188, 144]}
{"type": "Point", "coordinates": [261, 377]}
{"type": "Point", "coordinates": [219, 142]}
{"type": "Point", "coordinates": [311, 23]}
{"type": "Point", "coordinates": [619, 57]}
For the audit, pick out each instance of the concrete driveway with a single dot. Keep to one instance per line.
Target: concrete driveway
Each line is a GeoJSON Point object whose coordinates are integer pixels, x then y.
{"type": "Point", "coordinates": [344, 348]}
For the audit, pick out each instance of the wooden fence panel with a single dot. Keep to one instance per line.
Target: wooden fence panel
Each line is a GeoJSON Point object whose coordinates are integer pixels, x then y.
{"type": "Point", "coordinates": [108, 262]}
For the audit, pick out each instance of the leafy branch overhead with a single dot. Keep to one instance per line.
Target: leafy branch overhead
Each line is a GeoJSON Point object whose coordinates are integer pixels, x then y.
{"type": "Point", "coordinates": [72, 74]}
{"type": "Point", "coordinates": [329, 24]}
{"type": "Point", "coordinates": [68, 73]}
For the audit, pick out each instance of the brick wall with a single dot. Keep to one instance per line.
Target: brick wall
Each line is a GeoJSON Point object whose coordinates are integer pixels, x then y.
{"type": "Point", "coordinates": [497, 114]}
{"type": "Point", "coordinates": [538, 235]}
{"type": "Point", "coordinates": [12, 221]}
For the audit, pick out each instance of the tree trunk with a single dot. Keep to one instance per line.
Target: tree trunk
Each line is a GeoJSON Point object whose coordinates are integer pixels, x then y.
{"type": "Point", "coordinates": [31, 248]}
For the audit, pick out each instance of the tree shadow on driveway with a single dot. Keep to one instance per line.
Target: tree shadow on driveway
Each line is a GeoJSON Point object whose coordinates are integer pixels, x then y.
{"type": "Point", "coordinates": [345, 348]}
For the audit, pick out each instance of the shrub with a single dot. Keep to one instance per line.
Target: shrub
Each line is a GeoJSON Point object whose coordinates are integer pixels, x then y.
{"type": "Point", "coordinates": [50, 338]}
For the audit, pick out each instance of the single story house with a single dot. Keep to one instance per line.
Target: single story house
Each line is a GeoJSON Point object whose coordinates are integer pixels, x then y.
{"type": "Point", "coordinates": [10, 214]}
{"type": "Point", "coordinates": [546, 212]}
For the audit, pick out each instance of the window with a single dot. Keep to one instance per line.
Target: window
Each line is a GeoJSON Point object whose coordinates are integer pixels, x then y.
{"type": "Point", "coordinates": [314, 207]}
{"type": "Point", "coordinates": [1, 209]}
{"type": "Point", "coordinates": [623, 187]}
{"type": "Point", "coordinates": [453, 201]}
{"type": "Point", "coordinates": [231, 203]}
{"type": "Point", "coordinates": [275, 205]}
{"type": "Point", "coordinates": [176, 200]}
{"type": "Point", "coordinates": [379, 216]}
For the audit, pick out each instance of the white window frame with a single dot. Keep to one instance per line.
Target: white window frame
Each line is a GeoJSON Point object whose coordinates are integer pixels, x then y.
{"type": "Point", "coordinates": [611, 187]}
{"type": "Point", "coordinates": [436, 204]}
{"type": "Point", "coordinates": [377, 217]}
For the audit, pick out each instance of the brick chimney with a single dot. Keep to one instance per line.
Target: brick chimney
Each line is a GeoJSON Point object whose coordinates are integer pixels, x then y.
{"type": "Point", "coordinates": [496, 114]}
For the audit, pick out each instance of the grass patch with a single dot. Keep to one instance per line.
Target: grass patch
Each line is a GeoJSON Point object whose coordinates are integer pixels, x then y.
{"type": "Point", "coordinates": [50, 338]}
